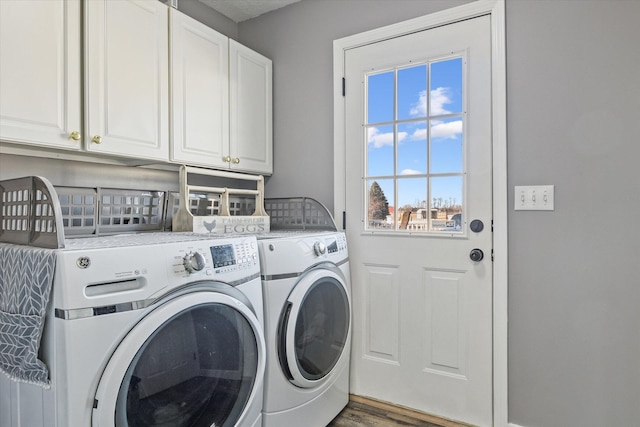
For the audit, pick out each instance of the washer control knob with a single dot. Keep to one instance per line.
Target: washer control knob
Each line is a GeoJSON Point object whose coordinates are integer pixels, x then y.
{"type": "Point", "coordinates": [194, 261]}
{"type": "Point", "coordinates": [319, 248]}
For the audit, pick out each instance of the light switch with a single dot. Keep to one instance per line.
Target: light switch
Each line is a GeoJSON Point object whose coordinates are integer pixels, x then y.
{"type": "Point", "coordinates": [534, 197]}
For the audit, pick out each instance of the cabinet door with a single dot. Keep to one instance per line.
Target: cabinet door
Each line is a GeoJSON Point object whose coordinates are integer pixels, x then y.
{"type": "Point", "coordinates": [250, 140]}
{"type": "Point", "coordinates": [199, 93]}
{"type": "Point", "coordinates": [126, 77]}
{"type": "Point", "coordinates": [40, 89]}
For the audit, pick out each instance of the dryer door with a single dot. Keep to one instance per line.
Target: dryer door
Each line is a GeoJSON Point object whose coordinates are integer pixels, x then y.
{"type": "Point", "coordinates": [314, 328]}
{"type": "Point", "coordinates": [195, 360]}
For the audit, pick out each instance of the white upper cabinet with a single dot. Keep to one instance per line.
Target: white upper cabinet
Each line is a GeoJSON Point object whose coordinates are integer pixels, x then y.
{"type": "Point", "coordinates": [216, 111]}
{"type": "Point", "coordinates": [40, 86]}
{"type": "Point", "coordinates": [220, 99]}
{"type": "Point", "coordinates": [250, 115]}
{"type": "Point", "coordinates": [199, 93]}
{"type": "Point", "coordinates": [127, 78]}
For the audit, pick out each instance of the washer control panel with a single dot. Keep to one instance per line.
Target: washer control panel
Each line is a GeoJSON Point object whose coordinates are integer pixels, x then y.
{"type": "Point", "coordinates": [235, 256]}
{"type": "Point", "coordinates": [226, 258]}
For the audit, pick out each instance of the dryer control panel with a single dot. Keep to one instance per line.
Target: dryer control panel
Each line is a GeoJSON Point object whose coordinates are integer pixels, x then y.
{"type": "Point", "coordinates": [330, 244]}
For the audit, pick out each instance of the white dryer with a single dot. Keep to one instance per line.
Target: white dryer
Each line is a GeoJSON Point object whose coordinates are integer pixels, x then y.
{"type": "Point", "coordinates": [157, 329]}
{"type": "Point", "coordinates": [307, 303]}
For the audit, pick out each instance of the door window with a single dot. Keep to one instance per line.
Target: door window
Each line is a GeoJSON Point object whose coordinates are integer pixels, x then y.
{"type": "Point", "coordinates": [196, 370]}
{"type": "Point", "coordinates": [414, 131]}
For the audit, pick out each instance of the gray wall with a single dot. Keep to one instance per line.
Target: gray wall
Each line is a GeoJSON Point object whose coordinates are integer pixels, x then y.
{"type": "Point", "coordinates": [203, 13]}
{"type": "Point", "coordinates": [573, 104]}
{"type": "Point", "coordinates": [574, 291]}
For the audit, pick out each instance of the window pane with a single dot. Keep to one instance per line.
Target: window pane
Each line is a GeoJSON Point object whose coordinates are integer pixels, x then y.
{"type": "Point", "coordinates": [380, 152]}
{"type": "Point", "coordinates": [412, 202]}
{"type": "Point", "coordinates": [446, 87]}
{"type": "Point", "coordinates": [446, 203]}
{"type": "Point", "coordinates": [380, 93]}
{"type": "Point", "coordinates": [412, 92]}
{"type": "Point", "coordinates": [446, 145]}
{"type": "Point", "coordinates": [380, 211]}
{"type": "Point", "coordinates": [412, 148]}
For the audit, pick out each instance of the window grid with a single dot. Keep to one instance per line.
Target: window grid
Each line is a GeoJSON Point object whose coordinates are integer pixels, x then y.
{"type": "Point", "coordinates": [432, 214]}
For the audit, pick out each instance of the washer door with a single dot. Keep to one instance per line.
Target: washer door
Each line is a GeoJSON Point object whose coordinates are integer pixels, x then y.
{"type": "Point", "coordinates": [196, 360]}
{"type": "Point", "coordinates": [314, 327]}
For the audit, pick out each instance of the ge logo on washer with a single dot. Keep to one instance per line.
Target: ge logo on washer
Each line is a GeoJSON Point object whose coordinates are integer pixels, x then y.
{"type": "Point", "coordinates": [83, 262]}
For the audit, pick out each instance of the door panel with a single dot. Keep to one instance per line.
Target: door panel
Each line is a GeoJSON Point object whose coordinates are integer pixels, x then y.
{"type": "Point", "coordinates": [382, 296]}
{"type": "Point", "coordinates": [419, 169]}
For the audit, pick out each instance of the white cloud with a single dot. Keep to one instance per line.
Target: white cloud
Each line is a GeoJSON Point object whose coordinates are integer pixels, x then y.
{"type": "Point", "coordinates": [378, 139]}
{"type": "Point", "coordinates": [448, 130]}
{"type": "Point", "coordinates": [439, 98]}
{"type": "Point", "coordinates": [410, 172]}
{"type": "Point", "coordinates": [419, 134]}
{"type": "Point", "coordinates": [419, 109]}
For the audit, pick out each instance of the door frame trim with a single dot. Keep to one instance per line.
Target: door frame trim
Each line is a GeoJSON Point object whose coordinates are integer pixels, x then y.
{"type": "Point", "coordinates": [496, 9]}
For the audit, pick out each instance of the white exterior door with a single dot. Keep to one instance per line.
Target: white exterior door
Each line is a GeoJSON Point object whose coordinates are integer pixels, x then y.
{"type": "Point", "coordinates": [419, 217]}
{"type": "Point", "coordinates": [127, 78]}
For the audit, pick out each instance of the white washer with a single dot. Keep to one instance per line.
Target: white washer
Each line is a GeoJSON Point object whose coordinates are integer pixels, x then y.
{"type": "Point", "coordinates": [307, 302]}
{"type": "Point", "coordinates": [159, 329]}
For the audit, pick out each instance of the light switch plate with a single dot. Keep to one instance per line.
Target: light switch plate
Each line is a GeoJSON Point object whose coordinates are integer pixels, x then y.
{"type": "Point", "coordinates": [534, 197]}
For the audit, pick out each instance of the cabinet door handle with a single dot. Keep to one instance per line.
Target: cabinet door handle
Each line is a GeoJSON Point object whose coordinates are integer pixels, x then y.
{"type": "Point", "coordinates": [97, 139]}
{"type": "Point", "coordinates": [226, 159]}
{"type": "Point", "coordinates": [75, 135]}
{"type": "Point", "coordinates": [236, 160]}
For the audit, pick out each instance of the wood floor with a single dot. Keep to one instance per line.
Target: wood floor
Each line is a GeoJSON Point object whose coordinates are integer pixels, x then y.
{"type": "Point", "coordinates": [371, 413]}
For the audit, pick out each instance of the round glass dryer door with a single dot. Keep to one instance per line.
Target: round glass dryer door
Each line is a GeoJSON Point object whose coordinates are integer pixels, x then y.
{"type": "Point", "coordinates": [314, 327]}
{"type": "Point", "coordinates": [194, 361]}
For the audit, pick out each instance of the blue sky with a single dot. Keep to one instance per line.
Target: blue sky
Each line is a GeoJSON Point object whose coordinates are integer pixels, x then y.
{"type": "Point", "coordinates": [438, 84]}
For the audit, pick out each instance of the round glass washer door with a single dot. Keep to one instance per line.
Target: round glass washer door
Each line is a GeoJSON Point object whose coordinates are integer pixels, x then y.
{"type": "Point", "coordinates": [196, 360]}
{"type": "Point", "coordinates": [314, 327]}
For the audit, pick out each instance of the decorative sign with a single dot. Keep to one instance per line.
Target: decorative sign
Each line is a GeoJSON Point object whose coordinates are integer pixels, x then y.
{"type": "Point", "coordinates": [230, 224]}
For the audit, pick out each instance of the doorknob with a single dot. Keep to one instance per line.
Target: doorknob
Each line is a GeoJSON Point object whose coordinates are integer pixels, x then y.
{"type": "Point", "coordinates": [476, 255]}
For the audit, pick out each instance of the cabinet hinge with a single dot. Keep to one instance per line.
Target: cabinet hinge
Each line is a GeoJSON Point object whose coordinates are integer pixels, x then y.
{"type": "Point", "coordinates": [344, 220]}
{"type": "Point", "coordinates": [492, 255]}
{"type": "Point", "coordinates": [344, 87]}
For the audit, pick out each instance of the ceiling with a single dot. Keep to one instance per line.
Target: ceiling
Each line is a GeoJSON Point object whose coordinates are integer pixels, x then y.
{"type": "Point", "coordinates": [241, 10]}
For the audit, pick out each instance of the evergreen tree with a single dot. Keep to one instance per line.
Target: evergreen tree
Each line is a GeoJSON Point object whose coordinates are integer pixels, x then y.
{"type": "Point", "coordinates": [378, 204]}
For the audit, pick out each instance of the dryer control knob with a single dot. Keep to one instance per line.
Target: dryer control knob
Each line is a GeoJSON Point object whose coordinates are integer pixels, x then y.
{"type": "Point", "coordinates": [319, 248]}
{"type": "Point", "coordinates": [194, 261]}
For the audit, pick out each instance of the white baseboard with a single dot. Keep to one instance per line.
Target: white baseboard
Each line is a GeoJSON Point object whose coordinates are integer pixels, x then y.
{"type": "Point", "coordinates": [514, 425]}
